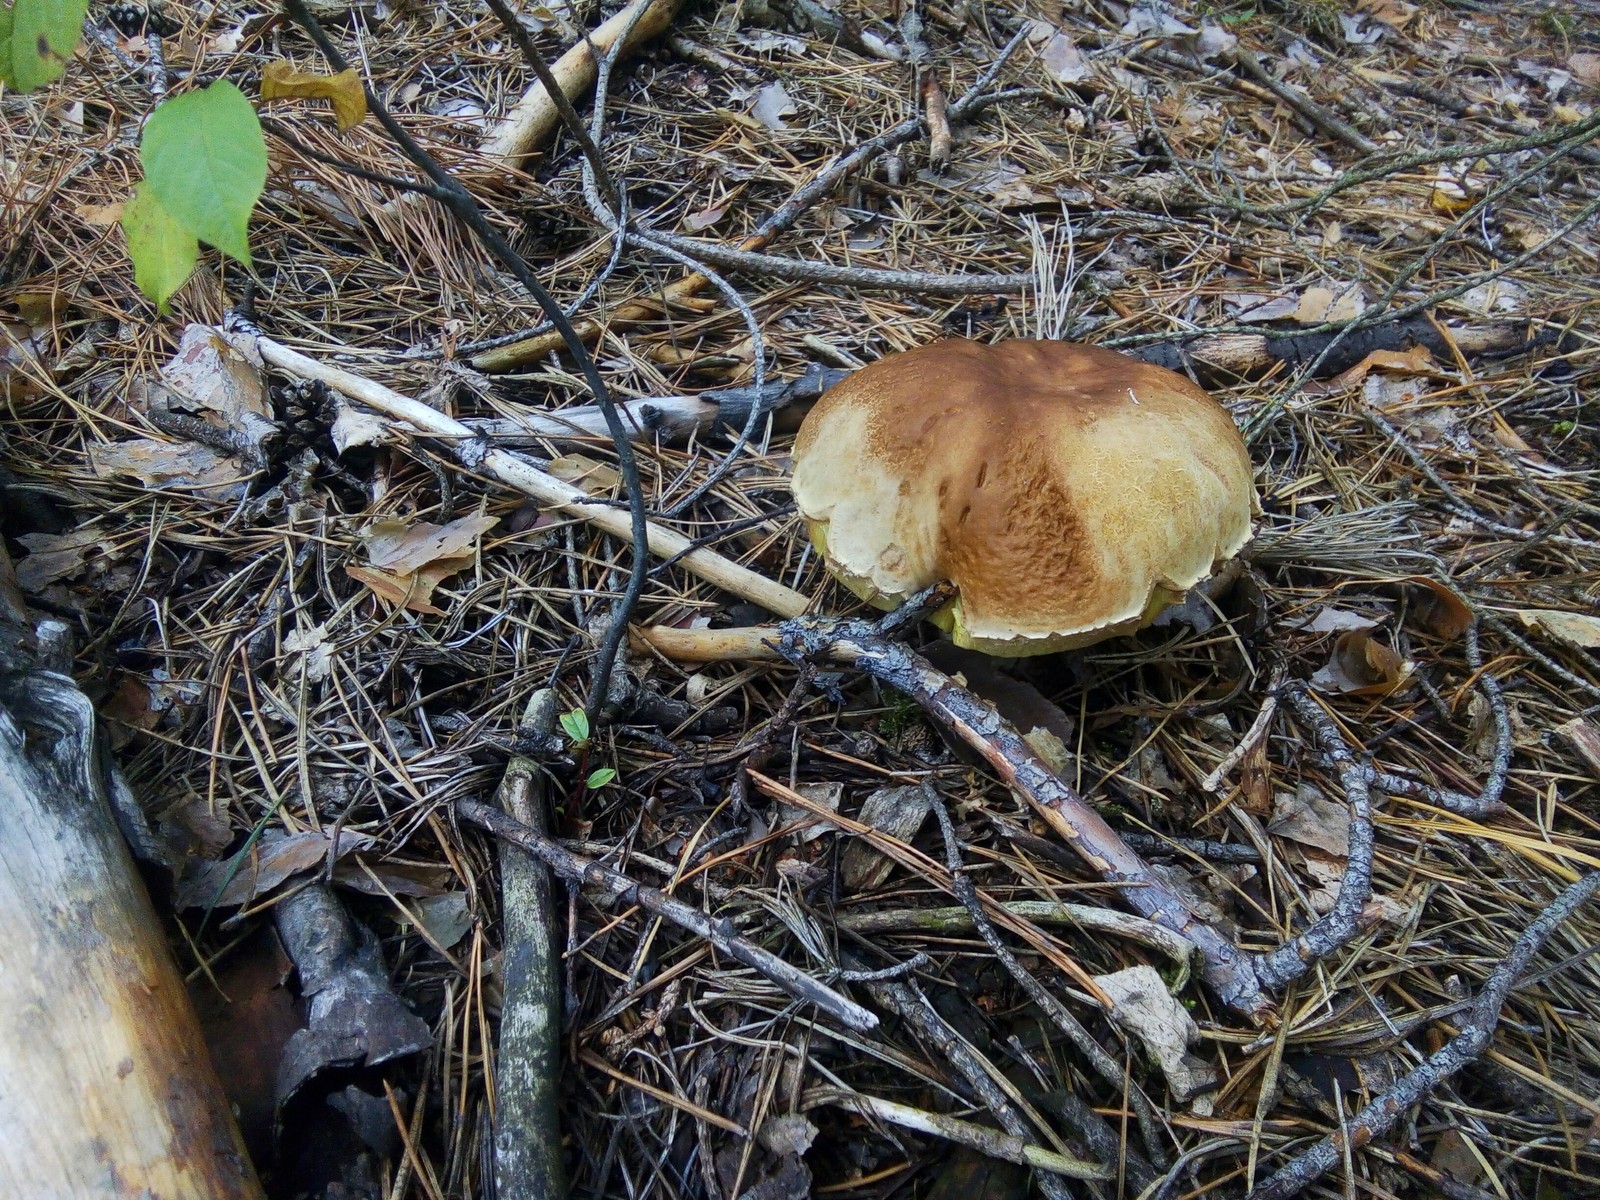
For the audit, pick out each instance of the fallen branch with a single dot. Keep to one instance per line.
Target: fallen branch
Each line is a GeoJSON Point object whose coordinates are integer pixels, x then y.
{"type": "Point", "coordinates": [1348, 916]}
{"type": "Point", "coordinates": [1229, 972]}
{"type": "Point", "coordinates": [463, 442]}
{"type": "Point", "coordinates": [719, 932]}
{"type": "Point", "coordinates": [536, 116]}
{"type": "Point", "coordinates": [527, 1082]}
{"type": "Point", "coordinates": [981, 1138]}
{"type": "Point", "coordinates": [1386, 1110]}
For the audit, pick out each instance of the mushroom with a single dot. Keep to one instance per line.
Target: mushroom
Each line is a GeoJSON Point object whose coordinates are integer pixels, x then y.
{"type": "Point", "coordinates": [1069, 492]}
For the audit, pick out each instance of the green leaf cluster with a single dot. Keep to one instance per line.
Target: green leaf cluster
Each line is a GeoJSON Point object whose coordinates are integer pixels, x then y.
{"type": "Point", "coordinates": [205, 165]}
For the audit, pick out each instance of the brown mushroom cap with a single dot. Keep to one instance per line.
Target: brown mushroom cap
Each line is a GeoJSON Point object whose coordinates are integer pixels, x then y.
{"type": "Point", "coordinates": [1069, 492]}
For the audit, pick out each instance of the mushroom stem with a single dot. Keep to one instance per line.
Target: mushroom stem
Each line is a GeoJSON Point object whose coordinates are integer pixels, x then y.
{"type": "Point", "coordinates": [1227, 971]}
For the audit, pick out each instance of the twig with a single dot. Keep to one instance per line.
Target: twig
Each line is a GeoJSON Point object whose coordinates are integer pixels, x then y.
{"type": "Point", "coordinates": [1229, 973]}
{"type": "Point", "coordinates": [718, 931]}
{"type": "Point", "coordinates": [1139, 1172]}
{"type": "Point", "coordinates": [527, 1119]}
{"type": "Point", "coordinates": [515, 473]}
{"type": "Point", "coordinates": [447, 192]}
{"type": "Point", "coordinates": [1385, 1111]}
{"type": "Point", "coordinates": [1007, 1147]}
{"type": "Point", "coordinates": [1325, 121]}
{"type": "Point", "coordinates": [1251, 739]}
{"type": "Point", "coordinates": [536, 114]}
{"type": "Point", "coordinates": [558, 97]}
{"type": "Point", "coordinates": [1500, 764]}
{"type": "Point", "coordinates": [911, 1006]}
{"type": "Point", "coordinates": [1341, 924]}
{"type": "Point", "coordinates": [800, 271]}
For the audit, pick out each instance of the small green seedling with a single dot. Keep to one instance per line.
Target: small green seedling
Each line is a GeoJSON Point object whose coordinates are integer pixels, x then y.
{"type": "Point", "coordinates": [576, 726]}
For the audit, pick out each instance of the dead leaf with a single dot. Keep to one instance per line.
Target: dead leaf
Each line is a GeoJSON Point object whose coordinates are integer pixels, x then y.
{"type": "Point", "coordinates": [896, 811]}
{"type": "Point", "coordinates": [355, 427]}
{"type": "Point", "coordinates": [447, 918]}
{"type": "Point", "coordinates": [1396, 14]}
{"type": "Point", "coordinates": [596, 478]}
{"type": "Point", "coordinates": [398, 547]}
{"type": "Point", "coordinates": [56, 556]}
{"type": "Point", "coordinates": [1585, 739]}
{"type": "Point", "coordinates": [1331, 619]}
{"type": "Point", "coordinates": [773, 104]}
{"type": "Point", "coordinates": [1062, 60]}
{"type": "Point", "coordinates": [409, 561]}
{"type": "Point", "coordinates": [101, 216]}
{"type": "Point", "coordinates": [258, 869]}
{"type": "Point", "coordinates": [1585, 69]}
{"type": "Point", "coordinates": [1578, 629]}
{"type": "Point", "coordinates": [825, 796]}
{"type": "Point", "coordinates": [312, 651]}
{"type": "Point", "coordinates": [1142, 1005]}
{"type": "Point", "coordinates": [1418, 360]}
{"type": "Point", "coordinates": [216, 376]}
{"type": "Point", "coordinates": [1441, 611]}
{"type": "Point", "coordinates": [162, 465]}
{"type": "Point", "coordinates": [1252, 307]}
{"type": "Point", "coordinates": [1362, 666]}
{"type": "Point", "coordinates": [1319, 304]}
{"type": "Point", "coordinates": [1309, 817]}
{"type": "Point", "coordinates": [704, 219]}
{"type": "Point", "coordinates": [280, 81]}
{"type": "Point", "coordinates": [22, 369]}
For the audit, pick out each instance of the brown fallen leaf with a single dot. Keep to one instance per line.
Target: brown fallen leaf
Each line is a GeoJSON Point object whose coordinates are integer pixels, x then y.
{"type": "Point", "coordinates": [1363, 666]}
{"type": "Point", "coordinates": [258, 869]}
{"type": "Point", "coordinates": [1585, 739]}
{"type": "Point", "coordinates": [280, 81]}
{"type": "Point", "coordinates": [596, 478]}
{"type": "Point", "coordinates": [1319, 304]}
{"type": "Point", "coordinates": [409, 561]}
{"type": "Point", "coordinates": [1440, 610]}
{"type": "Point", "coordinates": [56, 556]}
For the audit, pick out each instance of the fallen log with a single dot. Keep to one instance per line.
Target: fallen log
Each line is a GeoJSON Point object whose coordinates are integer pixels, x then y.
{"type": "Point", "coordinates": [108, 1086]}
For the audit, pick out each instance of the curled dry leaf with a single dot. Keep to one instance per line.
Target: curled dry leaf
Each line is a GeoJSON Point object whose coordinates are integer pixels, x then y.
{"type": "Point", "coordinates": [1363, 666]}
{"type": "Point", "coordinates": [409, 561]}
{"type": "Point", "coordinates": [1439, 608]}
{"type": "Point", "coordinates": [280, 81]}
{"type": "Point", "coordinates": [1143, 1007]}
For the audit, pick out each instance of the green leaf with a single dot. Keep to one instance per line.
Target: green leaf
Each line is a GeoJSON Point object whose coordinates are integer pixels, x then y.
{"type": "Point", "coordinates": [163, 250]}
{"type": "Point", "coordinates": [576, 724]}
{"type": "Point", "coordinates": [206, 161]}
{"type": "Point", "coordinates": [598, 779]}
{"type": "Point", "coordinates": [36, 39]}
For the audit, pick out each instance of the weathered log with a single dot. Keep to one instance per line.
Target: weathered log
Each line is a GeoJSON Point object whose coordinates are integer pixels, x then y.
{"type": "Point", "coordinates": [108, 1088]}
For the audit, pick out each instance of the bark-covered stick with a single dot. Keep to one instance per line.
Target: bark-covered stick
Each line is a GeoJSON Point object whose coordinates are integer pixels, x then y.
{"type": "Point", "coordinates": [527, 1126]}
{"type": "Point", "coordinates": [719, 932]}
{"type": "Point", "coordinates": [1229, 972]}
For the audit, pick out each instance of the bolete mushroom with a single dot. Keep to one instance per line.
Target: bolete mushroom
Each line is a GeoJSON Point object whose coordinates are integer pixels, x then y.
{"type": "Point", "coordinates": [1070, 492]}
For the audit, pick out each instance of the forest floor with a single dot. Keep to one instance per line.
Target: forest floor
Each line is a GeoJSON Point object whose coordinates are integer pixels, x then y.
{"type": "Point", "coordinates": [310, 650]}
